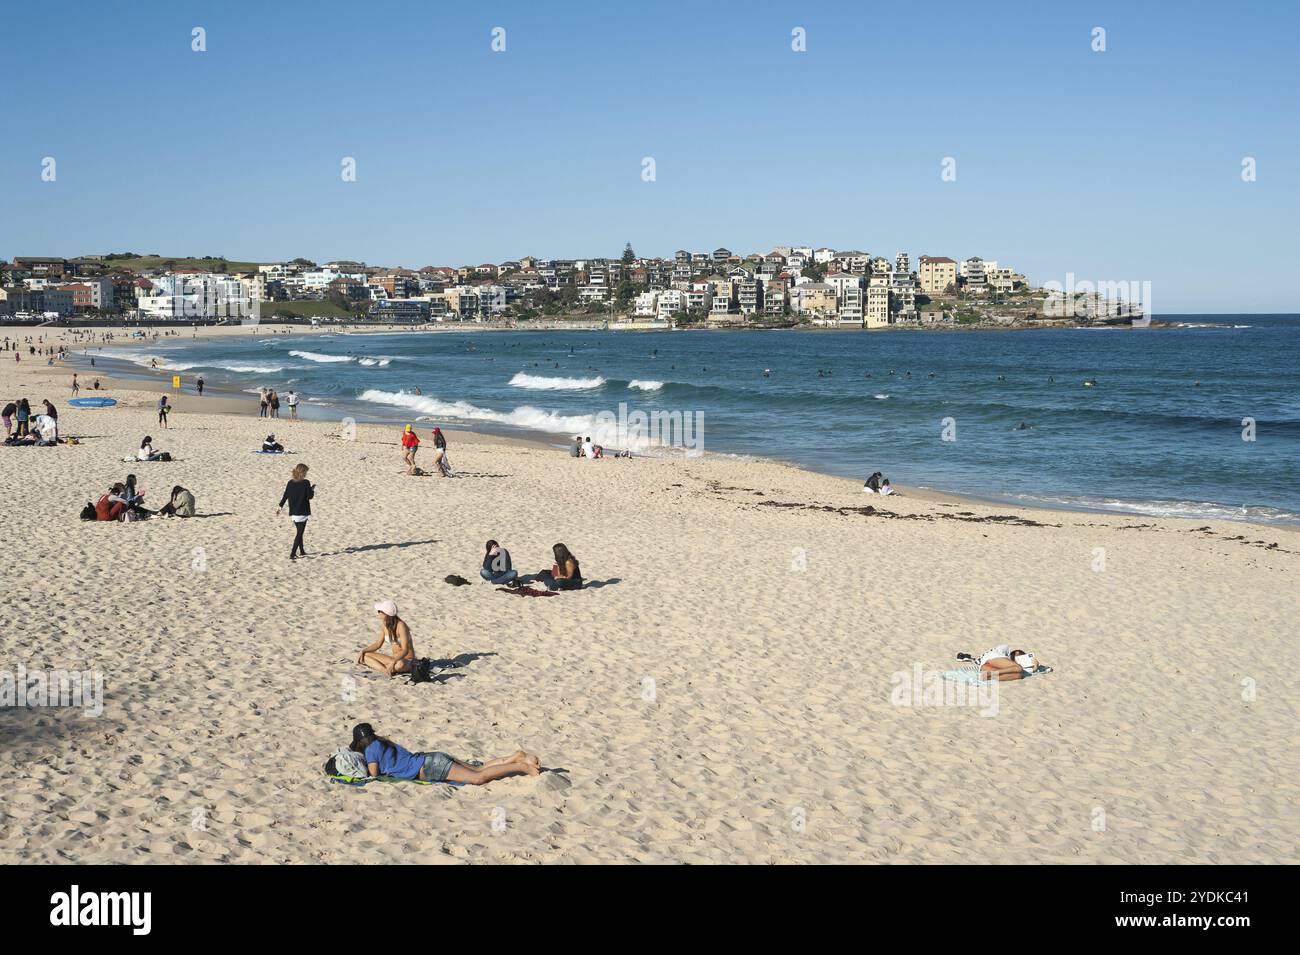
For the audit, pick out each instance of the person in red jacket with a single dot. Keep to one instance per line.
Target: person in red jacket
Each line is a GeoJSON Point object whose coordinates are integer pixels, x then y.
{"type": "Point", "coordinates": [112, 505]}
{"type": "Point", "coordinates": [410, 444]}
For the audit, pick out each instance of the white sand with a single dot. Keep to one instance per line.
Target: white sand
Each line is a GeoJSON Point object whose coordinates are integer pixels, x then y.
{"type": "Point", "coordinates": [709, 703]}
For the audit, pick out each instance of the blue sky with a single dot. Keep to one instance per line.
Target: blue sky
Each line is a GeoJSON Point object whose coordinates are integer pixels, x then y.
{"type": "Point", "coordinates": [1117, 166]}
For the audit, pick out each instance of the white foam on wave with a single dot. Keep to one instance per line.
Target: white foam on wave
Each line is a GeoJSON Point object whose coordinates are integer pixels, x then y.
{"type": "Point", "coordinates": [880, 397]}
{"type": "Point", "coordinates": [526, 417]}
{"type": "Point", "coordinates": [645, 385]}
{"type": "Point", "coordinates": [543, 383]}
{"type": "Point", "coordinates": [1192, 510]}
{"type": "Point", "coordinates": [161, 362]}
{"type": "Point", "coordinates": [381, 362]}
{"type": "Point", "coordinates": [317, 356]}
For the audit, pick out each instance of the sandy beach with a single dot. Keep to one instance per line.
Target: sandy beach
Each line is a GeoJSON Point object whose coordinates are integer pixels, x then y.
{"type": "Point", "coordinates": [734, 685]}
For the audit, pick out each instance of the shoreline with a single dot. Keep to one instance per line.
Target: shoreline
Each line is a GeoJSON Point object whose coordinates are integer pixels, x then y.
{"type": "Point", "coordinates": [235, 402]}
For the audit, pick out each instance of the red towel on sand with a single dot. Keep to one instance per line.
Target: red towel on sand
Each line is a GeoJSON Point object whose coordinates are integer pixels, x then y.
{"type": "Point", "coordinates": [527, 591]}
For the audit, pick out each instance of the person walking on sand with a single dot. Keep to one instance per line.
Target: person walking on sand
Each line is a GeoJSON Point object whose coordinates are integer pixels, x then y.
{"type": "Point", "coordinates": [385, 758]}
{"type": "Point", "coordinates": [199, 385]}
{"type": "Point", "coordinates": [393, 629]}
{"type": "Point", "coordinates": [76, 387]}
{"type": "Point", "coordinates": [298, 494]}
{"type": "Point", "coordinates": [440, 453]}
{"type": "Point", "coordinates": [410, 444]}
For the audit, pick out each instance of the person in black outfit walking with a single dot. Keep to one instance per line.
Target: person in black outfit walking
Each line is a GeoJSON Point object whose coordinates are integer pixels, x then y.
{"type": "Point", "coordinates": [298, 494]}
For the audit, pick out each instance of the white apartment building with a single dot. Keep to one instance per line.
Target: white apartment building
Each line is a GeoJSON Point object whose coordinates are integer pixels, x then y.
{"type": "Point", "coordinates": [646, 305]}
{"type": "Point", "coordinates": [669, 302]}
{"type": "Point", "coordinates": [196, 295]}
{"type": "Point", "coordinates": [852, 305]}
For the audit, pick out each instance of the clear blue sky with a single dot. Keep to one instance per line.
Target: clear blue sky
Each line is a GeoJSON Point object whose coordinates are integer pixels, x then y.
{"type": "Point", "coordinates": [1123, 165]}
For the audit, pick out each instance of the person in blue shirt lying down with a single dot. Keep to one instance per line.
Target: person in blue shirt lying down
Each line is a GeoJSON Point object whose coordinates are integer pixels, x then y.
{"type": "Point", "coordinates": [496, 567]}
{"type": "Point", "coordinates": [385, 758]}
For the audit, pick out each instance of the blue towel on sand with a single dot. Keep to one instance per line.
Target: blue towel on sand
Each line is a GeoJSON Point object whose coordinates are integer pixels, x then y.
{"type": "Point", "coordinates": [972, 677]}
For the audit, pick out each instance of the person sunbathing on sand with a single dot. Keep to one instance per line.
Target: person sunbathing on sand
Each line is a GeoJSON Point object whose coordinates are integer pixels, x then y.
{"type": "Point", "coordinates": [392, 628]}
{"type": "Point", "coordinates": [1001, 663]}
{"type": "Point", "coordinates": [385, 758]}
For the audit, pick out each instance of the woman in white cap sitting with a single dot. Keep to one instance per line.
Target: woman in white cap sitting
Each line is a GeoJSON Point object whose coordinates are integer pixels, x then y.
{"type": "Point", "coordinates": [392, 628]}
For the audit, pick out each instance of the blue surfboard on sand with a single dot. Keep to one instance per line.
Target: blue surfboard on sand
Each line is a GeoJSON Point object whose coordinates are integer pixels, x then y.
{"type": "Point", "coordinates": [92, 402]}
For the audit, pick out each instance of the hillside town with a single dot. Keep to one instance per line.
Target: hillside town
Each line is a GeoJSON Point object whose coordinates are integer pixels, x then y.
{"type": "Point", "coordinates": [789, 285]}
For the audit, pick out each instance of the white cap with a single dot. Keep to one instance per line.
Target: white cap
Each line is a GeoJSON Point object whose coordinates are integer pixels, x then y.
{"type": "Point", "coordinates": [1027, 662]}
{"type": "Point", "coordinates": [386, 607]}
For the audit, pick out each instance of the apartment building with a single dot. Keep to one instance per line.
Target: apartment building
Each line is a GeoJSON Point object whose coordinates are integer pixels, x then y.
{"type": "Point", "coordinates": [814, 298]}
{"type": "Point", "coordinates": [699, 299]}
{"type": "Point", "coordinates": [669, 302]}
{"type": "Point", "coordinates": [937, 273]}
{"type": "Point", "coordinates": [646, 305]}
{"type": "Point", "coordinates": [196, 295]}
{"type": "Point", "coordinates": [774, 296]}
{"type": "Point", "coordinates": [749, 296]}
{"type": "Point", "coordinates": [877, 313]}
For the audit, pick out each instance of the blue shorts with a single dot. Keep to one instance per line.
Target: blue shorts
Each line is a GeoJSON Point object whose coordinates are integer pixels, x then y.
{"type": "Point", "coordinates": [436, 767]}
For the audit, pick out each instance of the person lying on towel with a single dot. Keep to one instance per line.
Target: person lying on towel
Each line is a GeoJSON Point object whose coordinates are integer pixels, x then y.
{"type": "Point", "coordinates": [385, 758]}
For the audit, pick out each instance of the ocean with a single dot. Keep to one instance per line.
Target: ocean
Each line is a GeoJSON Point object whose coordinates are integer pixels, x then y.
{"type": "Point", "coordinates": [998, 415]}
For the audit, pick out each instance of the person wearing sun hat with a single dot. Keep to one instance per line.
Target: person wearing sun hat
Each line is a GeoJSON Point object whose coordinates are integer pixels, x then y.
{"type": "Point", "coordinates": [410, 444]}
{"type": "Point", "coordinates": [394, 629]}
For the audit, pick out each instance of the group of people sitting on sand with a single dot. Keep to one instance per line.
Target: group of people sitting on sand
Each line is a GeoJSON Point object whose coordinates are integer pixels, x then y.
{"type": "Point", "coordinates": [22, 428]}
{"type": "Point", "coordinates": [124, 501]}
{"type": "Point", "coordinates": [497, 569]}
{"type": "Point", "coordinates": [585, 448]}
{"type": "Point", "coordinates": [564, 574]}
{"type": "Point", "coordinates": [411, 444]}
{"type": "Point", "coordinates": [878, 484]}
